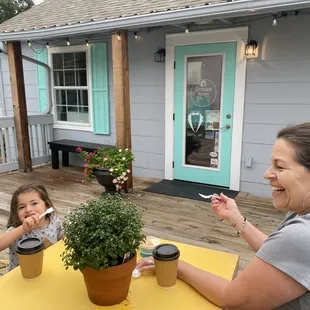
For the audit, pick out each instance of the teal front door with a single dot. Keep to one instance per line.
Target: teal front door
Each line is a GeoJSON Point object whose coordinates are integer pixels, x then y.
{"type": "Point", "coordinates": [204, 103]}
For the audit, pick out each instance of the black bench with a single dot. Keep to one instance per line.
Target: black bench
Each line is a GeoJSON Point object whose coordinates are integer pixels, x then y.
{"type": "Point", "coordinates": [69, 146]}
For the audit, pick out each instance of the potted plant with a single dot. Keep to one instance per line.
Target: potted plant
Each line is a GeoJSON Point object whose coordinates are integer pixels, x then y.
{"type": "Point", "coordinates": [101, 238]}
{"type": "Point", "coordinates": [109, 165]}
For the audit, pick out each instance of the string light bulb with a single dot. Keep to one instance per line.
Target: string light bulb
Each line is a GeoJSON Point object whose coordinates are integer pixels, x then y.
{"type": "Point", "coordinates": [118, 35]}
{"type": "Point", "coordinates": [136, 35]}
{"type": "Point", "coordinates": [87, 44]}
{"type": "Point", "coordinates": [29, 43]}
{"type": "Point", "coordinates": [47, 45]}
{"type": "Point", "coordinates": [68, 42]}
{"type": "Point", "coordinates": [187, 29]}
{"type": "Point", "coordinates": [275, 20]}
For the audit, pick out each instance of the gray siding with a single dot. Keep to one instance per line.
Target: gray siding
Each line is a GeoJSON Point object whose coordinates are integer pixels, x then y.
{"type": "Point", "coordinates": [147, 94]}
{"type": "Point", "coordinates": [30, 84]}
{"type": "Point", "coordinates": [277, 93]}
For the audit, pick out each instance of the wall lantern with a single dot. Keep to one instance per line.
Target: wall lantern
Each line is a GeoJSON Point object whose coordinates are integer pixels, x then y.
{"type": "Point", "coordinates": [159, 56]}
{"type": "Point", "coordinates": [251, 49]}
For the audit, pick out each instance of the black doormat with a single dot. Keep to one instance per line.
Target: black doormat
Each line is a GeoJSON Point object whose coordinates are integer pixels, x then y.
{"type": "Point", "coordinates": [188, 189]}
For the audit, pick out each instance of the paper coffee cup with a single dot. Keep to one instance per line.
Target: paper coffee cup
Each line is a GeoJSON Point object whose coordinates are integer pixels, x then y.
{"type": "Point", "coordinates": [30, 254]}
{"type": "Point", "coordinates": [166, 259]}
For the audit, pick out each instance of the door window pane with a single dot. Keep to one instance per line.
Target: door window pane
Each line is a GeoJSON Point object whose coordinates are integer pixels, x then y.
{"type": "Point", "coordinates": [203, 110]}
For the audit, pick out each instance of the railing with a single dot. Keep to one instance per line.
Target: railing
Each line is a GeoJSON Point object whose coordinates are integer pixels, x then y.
{"type": "Point", "coordinates": [40, 132]}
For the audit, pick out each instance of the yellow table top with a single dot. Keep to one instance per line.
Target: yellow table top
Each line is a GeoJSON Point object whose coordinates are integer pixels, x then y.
{"type": "Point", "coordinates": [62, 289]}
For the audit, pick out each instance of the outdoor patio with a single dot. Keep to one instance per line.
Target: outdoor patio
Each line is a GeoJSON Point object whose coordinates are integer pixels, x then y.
{"type": "Point", "coordinates": [173, 218]}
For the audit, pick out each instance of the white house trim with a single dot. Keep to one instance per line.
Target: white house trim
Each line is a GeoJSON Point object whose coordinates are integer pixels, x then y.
{"type": "Point", "coordinates": [239, 35]}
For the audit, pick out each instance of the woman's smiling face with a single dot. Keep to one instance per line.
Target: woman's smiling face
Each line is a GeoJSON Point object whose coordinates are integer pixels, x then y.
{"type": "Point", "coordinates": [289, 180]}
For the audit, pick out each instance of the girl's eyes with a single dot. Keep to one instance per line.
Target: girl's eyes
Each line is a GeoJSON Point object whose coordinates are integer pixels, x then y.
{"type": "Point", "coordinates": [21, 207]}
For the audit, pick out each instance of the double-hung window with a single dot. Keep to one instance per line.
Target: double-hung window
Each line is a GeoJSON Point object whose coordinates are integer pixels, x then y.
{"type": "Point", "coordinates": [71, 87]}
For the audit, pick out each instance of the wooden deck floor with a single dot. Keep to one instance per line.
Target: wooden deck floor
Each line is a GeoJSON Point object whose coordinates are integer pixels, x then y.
{"type": "Point", "coordinates": [177, 219]}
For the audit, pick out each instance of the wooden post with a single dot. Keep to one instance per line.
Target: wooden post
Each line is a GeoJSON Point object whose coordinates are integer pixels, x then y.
{"type": "Point", "coordinates": [122, 94]}
{"type": "Point", "coordinates": [19, 105]}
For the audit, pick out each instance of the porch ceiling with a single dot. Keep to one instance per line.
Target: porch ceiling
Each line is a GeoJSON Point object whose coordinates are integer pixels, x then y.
{"type": "Point", "coordinates": [54, 18]}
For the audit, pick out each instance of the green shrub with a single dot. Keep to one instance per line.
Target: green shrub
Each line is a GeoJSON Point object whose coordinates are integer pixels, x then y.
{"type": "Point", "coordinates": [101, 232]}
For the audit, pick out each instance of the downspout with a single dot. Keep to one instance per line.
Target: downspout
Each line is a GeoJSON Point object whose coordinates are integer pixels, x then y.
{"type": "Point", "coordinates": [48, 79]}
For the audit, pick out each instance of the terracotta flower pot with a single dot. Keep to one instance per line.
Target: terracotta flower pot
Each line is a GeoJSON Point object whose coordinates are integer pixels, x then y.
{"type": "Point", "coordinates": [109, 287]}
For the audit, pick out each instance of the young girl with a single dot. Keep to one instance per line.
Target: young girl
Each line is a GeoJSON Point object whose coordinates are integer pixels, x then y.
{"type": "Point", "coordinates": [28, 202]}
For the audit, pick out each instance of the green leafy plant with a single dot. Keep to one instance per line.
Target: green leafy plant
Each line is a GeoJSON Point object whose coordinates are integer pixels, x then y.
{"type": "Point", "coordinates": [112, 158]}
{"type": "Point", "coordinates": [101, 232]}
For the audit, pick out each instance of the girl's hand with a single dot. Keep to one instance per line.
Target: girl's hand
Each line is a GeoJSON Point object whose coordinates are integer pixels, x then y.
{"type": "Point", "coordinates": [146, 264]}
{"type": "Point", "coordinates": [226, 208]}
{"type": "Point", "coordinates": [31, 223]}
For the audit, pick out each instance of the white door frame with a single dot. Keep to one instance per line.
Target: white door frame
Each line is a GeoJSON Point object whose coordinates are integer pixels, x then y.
{"type": "Point", "coordinates": [239, 35]}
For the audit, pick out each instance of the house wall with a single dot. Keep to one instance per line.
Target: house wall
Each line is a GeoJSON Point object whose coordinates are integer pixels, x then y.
{"type": "Point", "coordinates": [277, 94]}
{"type": "Point", "coordinates": [30, 84]}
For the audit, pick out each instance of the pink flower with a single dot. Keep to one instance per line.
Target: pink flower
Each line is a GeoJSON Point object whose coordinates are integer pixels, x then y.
{"type": "Point", "coordinates": [105, 159]}
{"type": "Point", "coordinates": [86, 165]}
{"type": "Point", "coordinates": [90, 171]}
{"type": "Point", "coordinates": [114, 181]}
{"type": "Point", "coordinates": [85, 174]}
{"type": "Point", "coordinates": [97, 147]}
{"type": "Point", "coordinates": [83, 182]}
{"type": "Point", "coordinates": [88, 157]}
{"type": "Point", "coordinates": [79, 149]}
{"type": "Point", "coordinates": [128, 170]}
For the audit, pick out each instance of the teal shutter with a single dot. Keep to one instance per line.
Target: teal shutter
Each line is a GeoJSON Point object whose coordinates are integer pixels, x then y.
{"type": "Point", "coordinates": [41, 55]}
{"type": "Point", "coordinates": [100, 96]}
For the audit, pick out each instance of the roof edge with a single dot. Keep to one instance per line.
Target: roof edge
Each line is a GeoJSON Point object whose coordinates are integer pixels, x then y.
{"type": "Point", "coordinates": [225, 10]}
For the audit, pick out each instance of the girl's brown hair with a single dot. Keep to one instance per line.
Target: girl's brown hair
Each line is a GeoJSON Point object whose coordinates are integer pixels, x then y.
{"type": "Point", "coordinates": [28, 188]}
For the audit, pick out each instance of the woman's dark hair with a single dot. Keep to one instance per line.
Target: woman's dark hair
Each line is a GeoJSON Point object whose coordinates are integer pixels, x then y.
{"type": "Point", "coordinates": [299, 137]}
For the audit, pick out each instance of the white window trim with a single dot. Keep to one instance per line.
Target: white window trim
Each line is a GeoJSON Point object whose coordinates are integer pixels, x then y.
{"type": "Point", "coordinates": [239, 35]}
{"type": "Point", "coordinates": [70, 125]}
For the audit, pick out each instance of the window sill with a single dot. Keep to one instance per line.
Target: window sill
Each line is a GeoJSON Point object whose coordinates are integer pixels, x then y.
{"type": "Point", "coordinates": [72, 127]}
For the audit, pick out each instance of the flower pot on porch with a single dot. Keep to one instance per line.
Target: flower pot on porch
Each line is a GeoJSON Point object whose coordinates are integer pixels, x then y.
{"type": "Point", "coordinates": [105, 179]}
{"type": "Point", "coordinates": [109, 287]}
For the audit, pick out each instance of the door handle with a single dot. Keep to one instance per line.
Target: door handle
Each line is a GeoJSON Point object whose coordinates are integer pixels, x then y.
{"type": "Point", "coordinates": [216, 126]}
{"type": "Point", "coordinates": [227, 126]}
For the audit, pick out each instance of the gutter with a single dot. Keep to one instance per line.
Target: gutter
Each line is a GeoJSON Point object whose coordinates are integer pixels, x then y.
{"type": "Point", "coordinates": [48, 78]}
{"type": "Point", "coordinates": [223, 10]}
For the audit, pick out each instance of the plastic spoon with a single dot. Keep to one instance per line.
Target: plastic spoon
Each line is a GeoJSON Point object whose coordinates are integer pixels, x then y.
{"type": "Point", "coordinates": [49, 210]}
{"type": "Point", "coordinates": [209, 196]}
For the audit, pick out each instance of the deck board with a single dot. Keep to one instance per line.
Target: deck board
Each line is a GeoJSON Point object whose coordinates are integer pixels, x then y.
{"type": "Point", "coordinates": [173, 218]}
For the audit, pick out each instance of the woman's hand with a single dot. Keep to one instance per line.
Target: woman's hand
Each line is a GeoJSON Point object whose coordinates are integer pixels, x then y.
{"type": "Point", "coordinates": [31, 223]}
{"type": "Point", "coordinates": [145, 264]}
{"type": "Point", "coordinates": [226, 208]}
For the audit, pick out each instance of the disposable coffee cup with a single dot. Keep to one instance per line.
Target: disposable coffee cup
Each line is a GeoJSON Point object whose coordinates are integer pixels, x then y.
{"type": "Point", "coordinates": [166, 259]}
{"type": "Point", "coordinates": [30, 255]}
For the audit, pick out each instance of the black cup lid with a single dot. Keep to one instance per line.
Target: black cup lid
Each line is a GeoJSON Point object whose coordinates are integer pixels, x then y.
{"type": "Point", "coordinates": [166, 252]}
{"type": "Point", "coordinates": [29, 246]}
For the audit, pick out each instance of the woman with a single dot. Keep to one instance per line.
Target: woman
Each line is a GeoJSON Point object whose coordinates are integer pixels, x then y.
{"type": "Point", "coordinates": [279, 275]}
